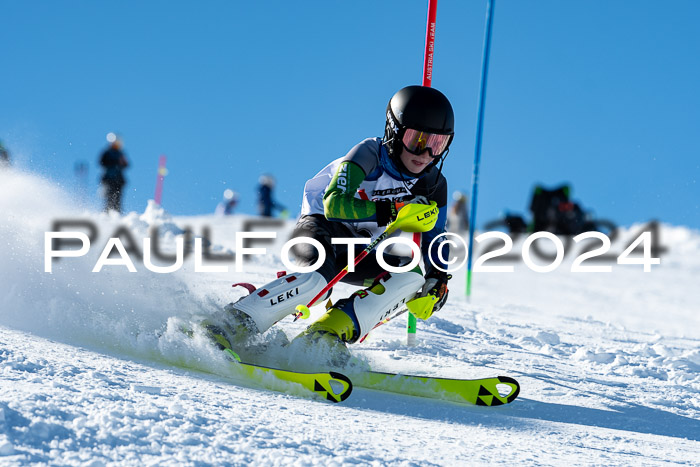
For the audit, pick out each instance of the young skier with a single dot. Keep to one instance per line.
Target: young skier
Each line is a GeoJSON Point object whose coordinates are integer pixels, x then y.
{"type": "Point", "coordinates": [357, 196]}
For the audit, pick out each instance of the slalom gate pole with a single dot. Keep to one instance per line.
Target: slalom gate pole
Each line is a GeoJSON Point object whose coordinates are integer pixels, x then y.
{"type": "Point", "coordinates": [429, 44]}
{"type": "Point", "coordinates": [490, 5]}
{"type": "Point", "coordinates": [162, 172]}
{"type": "Point", "coordinates": [427, 81]}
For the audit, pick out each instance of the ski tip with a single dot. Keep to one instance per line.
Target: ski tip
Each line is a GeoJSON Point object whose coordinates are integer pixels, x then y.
{"type": "Point", "coordinates": [344, 387]}
{"type": "Point", "coordinates": [515, 387]}
{"type": "Point", "coordinates": [232, 355]}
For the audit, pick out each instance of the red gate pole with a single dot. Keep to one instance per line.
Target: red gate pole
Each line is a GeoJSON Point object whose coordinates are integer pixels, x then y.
{"type": "Point", "coordinates": [427, 81]}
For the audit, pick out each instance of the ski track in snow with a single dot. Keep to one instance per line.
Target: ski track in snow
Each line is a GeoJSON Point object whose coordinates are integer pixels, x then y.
{"type": "Point", "coordinates": [91, 371]}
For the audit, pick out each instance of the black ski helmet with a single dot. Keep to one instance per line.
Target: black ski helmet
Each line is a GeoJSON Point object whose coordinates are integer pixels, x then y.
{"type": "Point", "coordinates": [420, 108]}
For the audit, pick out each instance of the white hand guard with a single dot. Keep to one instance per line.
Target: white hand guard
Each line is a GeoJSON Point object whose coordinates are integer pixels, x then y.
{"type": "Point", "coordinates": [277, 299]}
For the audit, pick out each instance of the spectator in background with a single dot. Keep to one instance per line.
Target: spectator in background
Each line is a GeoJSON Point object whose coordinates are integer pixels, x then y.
{"type": "Point", "coordinates": [266, 202]}
{"type": "Point", "coordinates": [458, 216]}
{"type": "Point", "coordinates": [114, 162]}
{"type": "Point", "coordinates": [4, 156]}
{"type": "Point", "coordinates": [228, 204]}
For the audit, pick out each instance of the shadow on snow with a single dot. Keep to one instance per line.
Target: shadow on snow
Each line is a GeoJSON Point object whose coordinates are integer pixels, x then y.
{"type": "Point", "coordinates": [527, 413]}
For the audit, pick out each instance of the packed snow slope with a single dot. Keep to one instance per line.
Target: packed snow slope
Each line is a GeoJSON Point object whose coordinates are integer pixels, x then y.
{"type": "Point", "coordinates": [93, 370]}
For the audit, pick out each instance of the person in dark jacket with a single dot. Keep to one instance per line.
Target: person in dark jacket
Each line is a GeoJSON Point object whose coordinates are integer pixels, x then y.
{"type": "Point", "coordinates": [266, 202]}
{"type": "Point", "coordinates": [114, 162]}
{"type": "Point", "coordinates": [458, 216]}
{"type": "Point", "coordinates": [4, 156]}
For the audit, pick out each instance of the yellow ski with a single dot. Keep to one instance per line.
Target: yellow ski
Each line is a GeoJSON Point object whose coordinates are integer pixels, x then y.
{"type": "Point", "coordinates": [331, 386]}
{"type": "Point", "coordinates": [486, 391]}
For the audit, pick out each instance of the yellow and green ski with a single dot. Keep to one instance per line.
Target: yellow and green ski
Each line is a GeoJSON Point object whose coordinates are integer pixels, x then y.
{"type": "Point", "coordinates": [485, 391]}
{"type": "Point", "coordinates": [336, 387]}
{"type": "Point", "coordinates": [331, 386]}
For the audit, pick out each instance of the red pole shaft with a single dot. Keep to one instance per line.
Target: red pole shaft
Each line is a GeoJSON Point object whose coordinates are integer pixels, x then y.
{"type": "Point", "coordinates": [389, 230]}
{"type": "Point", "coordinates": [428, 61]}
{"type": "Point", "coordinates": [336, 279]}
{"type": "Point", "coordinates": [429, 44]}
{"type": "Point", "coordinates": [344, 272]}
{"type": "Point", "coordinates": [427, 81]}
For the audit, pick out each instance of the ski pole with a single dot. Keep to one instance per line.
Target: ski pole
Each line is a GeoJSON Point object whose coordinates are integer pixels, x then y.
{"type": "Point", "coordinates": [413, 306]}
{"type": "Point", "coordinates": [303, 310]}
{"type": "Point", "coordinates": [384, 321]}
{"type": "Point", "coordinates": [490, 5]}
{"type": "Point", "coordinates": [411, 218]}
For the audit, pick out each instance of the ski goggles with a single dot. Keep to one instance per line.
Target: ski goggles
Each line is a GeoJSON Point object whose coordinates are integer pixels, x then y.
{"type": "Point", "coordinates": [417, 142]}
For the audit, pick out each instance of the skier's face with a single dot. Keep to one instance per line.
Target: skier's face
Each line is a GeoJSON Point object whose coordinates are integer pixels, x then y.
{"type": "Point", "coordinates": [415, 163]}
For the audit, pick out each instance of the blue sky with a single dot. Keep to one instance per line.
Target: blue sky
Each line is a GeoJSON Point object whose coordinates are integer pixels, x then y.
{"type": "Point", "coordinates": [601, 94]}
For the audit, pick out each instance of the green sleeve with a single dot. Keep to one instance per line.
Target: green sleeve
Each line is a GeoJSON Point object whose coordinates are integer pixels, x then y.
{"type": "Point", "coordinates": [339, 201]}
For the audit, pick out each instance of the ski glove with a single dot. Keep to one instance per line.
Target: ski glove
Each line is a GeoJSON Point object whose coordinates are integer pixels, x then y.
{"type": "Point", "coordinates": [436, 286]}
{"type": "Point", "coordinates": [387, 209]}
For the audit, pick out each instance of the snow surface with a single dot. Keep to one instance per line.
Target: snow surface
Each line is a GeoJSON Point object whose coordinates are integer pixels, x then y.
{"type": "Point", "coordinates": [93, 371]}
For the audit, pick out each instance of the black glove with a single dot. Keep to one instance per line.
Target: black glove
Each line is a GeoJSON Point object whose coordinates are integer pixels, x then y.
{"type": "Point", "coordinates": [387, 209]}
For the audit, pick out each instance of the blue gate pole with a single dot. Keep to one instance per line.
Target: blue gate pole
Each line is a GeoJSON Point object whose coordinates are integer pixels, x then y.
{"type": "Point", "coordinates": [490, 4]}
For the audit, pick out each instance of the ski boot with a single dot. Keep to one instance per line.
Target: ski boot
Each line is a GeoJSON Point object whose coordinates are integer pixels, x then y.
{"type": "Point", "coordinates": [229, 329]}
{"type": "Point", "coordinates": [354, 317]}
{"type": "Point", "coordinates": [325, 340]}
